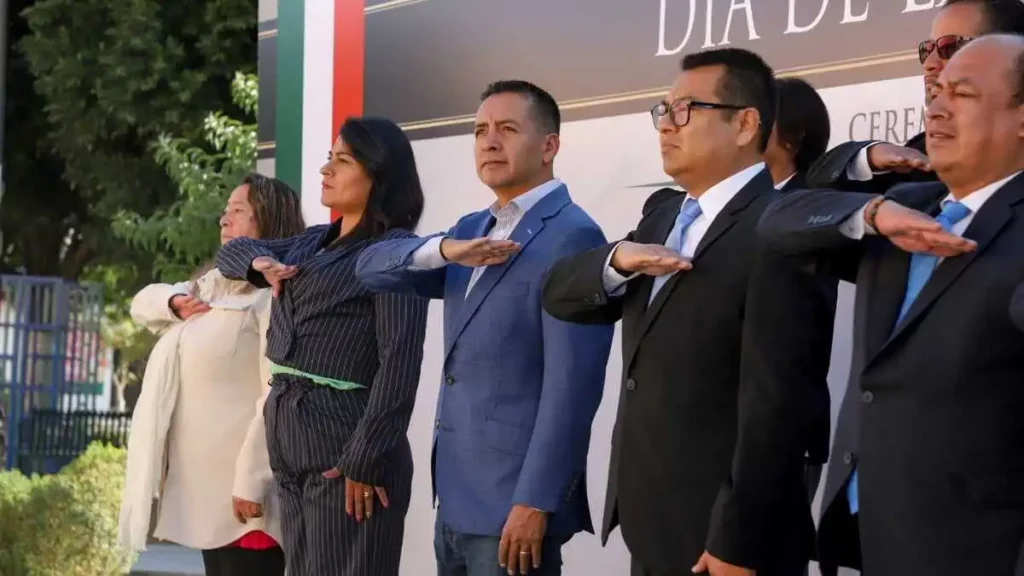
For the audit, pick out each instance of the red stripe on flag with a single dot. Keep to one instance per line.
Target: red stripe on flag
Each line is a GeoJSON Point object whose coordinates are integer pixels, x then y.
{"type": "Point", "coordinates": [349, 60]}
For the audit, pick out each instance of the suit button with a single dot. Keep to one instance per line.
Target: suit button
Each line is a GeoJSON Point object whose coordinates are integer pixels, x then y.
{"type": "Point", "coordinates": [867, 397]}
{"type": "Point", "coordinates": [449, 379]}
{"type": "Point", "coordinates": [437, 423]}
{"type": "Point", "coordinates": [630, 384]}
{"type": "Point", "coordinates": [847, 457]}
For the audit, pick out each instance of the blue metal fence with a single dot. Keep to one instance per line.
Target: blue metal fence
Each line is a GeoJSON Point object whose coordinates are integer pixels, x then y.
{"type": "Point", "coordinates": [49, 363]}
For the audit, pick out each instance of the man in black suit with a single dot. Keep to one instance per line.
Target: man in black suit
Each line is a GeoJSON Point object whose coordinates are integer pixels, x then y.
{"type": "Point", "coordinates": [725, 346]}
{"type": "Point", "coordinates": [870, 166]}
{"type": "Point", "coordinates": [938, 366]}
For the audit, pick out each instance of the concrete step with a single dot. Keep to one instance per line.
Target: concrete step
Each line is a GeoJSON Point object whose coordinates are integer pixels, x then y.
{"type": "Point", "coordinates": [162, 559]}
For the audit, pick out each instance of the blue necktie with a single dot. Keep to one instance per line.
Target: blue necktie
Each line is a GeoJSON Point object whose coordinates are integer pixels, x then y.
{"type": "Point", "coordinates": [687, 214]}
{"type": "Point", "coordinates": [921, 268]}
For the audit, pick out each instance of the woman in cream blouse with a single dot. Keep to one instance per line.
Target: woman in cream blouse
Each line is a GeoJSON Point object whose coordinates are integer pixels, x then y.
{"type": "Point", "coordinates": [217, 491]}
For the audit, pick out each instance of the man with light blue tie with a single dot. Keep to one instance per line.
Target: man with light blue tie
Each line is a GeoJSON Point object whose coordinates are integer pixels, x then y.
{"type": "Point", "coordinates": [520, 388]}
{"type": "Point", "coordinates": [934, 466]}
{"type": "Point", "coordinates": [725, 345]}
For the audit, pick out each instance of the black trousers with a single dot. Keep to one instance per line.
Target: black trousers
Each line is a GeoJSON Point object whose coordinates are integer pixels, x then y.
{"type": "Point", "coordinates": [637, 569]}
{"type": "Point", "coordinates": [308, 427]}
{"type": "Point", "coordinates": [234, 561]}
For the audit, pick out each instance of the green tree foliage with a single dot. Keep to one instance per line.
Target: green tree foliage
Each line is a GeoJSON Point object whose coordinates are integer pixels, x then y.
{"type": "Point", "coordinates": [184, 235]}
{"type": "Point", "coordinates": [92, 84]}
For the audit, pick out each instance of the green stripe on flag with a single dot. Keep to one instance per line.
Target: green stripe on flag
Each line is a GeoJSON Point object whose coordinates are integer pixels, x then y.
{"type": "Point", "coordinates": [288, 121]}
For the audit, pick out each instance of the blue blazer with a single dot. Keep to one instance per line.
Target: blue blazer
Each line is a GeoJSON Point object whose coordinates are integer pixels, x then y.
{"type": "Point", "coordinates": [519, 388]}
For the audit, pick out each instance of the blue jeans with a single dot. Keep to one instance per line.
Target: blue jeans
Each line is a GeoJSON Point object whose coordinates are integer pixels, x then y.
{"type": "Point", "coordinates": [468, 555]}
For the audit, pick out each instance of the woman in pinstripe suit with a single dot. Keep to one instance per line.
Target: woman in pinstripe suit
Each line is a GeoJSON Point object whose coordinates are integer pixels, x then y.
{"type": "Point", "coordinates": [345, 362]}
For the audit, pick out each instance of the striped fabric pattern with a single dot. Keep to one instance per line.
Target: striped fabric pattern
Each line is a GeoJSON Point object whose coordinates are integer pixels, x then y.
{"type": "Point", "coordinates": [325, 322]}
{"type": "Point", "coordinates": [307, 423]}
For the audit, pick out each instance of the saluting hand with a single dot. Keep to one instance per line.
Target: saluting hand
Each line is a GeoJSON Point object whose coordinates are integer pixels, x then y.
{"type": "Point", "coordinates": [275, 272]}
{"type": "Point", "coordinates": [915, 231]}
{"type": "Point", "coordinates": [185, 306]}
{"type": "Point", "coordinates": [477, 252]}
{"type": "Point", "coordinates": [649, 259]}
{"type": "Point", "coordinates": [892, 158]}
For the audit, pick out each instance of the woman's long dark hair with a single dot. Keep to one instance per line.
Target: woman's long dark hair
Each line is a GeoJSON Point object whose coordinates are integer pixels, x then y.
{"type": "Point", "coordinates": [276, 207]}
{"type": "Point", "coordinates": [802, 121]}
{"type": "Point", "coordinates": [384, 151]}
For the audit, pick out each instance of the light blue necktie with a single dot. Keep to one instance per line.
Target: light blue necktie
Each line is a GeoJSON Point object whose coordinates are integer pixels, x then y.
{"type": "Point", "coordinates": [921, 268]}
{"type": "Point", "coordinates": [687, 214]}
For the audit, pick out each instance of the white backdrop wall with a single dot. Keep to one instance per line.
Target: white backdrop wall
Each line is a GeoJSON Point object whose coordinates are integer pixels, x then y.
{"type": "Point", "coordinates": [602, 161]}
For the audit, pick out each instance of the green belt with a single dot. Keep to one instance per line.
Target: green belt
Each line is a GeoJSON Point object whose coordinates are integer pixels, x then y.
{"type": "Point", "coordinates": [321, 380]}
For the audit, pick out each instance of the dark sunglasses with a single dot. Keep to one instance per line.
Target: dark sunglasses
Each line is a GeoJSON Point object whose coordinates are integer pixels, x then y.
{"type": "Point", "coordinates": [944, 46]}
{"type": "Point", "coordinates": [679, 110]}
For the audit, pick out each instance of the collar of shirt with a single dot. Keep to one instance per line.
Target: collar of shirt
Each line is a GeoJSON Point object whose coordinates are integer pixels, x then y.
{"type": "Point", "coordinates": [782, 184]}
{"type": "Point", "coordinates": [715, 198]}
{"type": "Point", "coordinates": [524, 202]}
{"type": "Point", "coordinates": [975, 200]}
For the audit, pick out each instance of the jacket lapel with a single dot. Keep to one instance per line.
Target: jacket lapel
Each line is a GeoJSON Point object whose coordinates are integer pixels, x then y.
{"type": "Point", "coordinates": [883, 306]}
{"type": "Point", "coordinates": [990, 220]}
{"type": "Point", "coordinates": [634, 315]}
{"type": "Point", "coordinates": [721, 224]}
{"type": "Point", "coordinates": [725, 220]}
{"type": "Point", "coordinates": [529, 227]}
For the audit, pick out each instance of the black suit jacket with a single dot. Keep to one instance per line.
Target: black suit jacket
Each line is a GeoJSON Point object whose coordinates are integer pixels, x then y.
{"type": "Point", "coordinates": [1017, 307]}
{"type": "Point", "coordinates": [720, 377]}
{"type": "Point", "coordinates": [830, 170]}
{"type": "Point", "coordinates": [932, 417]}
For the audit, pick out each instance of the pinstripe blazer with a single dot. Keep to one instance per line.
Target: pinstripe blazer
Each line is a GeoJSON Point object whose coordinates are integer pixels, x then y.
{"type": "Point", "coordinates": [325, 322]}
{"type": "Point", "coordinates": [520, 388]}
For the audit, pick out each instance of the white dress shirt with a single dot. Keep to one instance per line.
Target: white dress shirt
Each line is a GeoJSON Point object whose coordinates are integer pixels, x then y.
{"type": "Point", "coordinates": [860, 169]}
{"type": "Point", "coordinates": [855, 227]}
{"type": "Point", "coordinates": [784, 181]}
{"type": "Point", "coordinates": [711, 202]}
{"type": "Point", "coordinates": [428, 256]}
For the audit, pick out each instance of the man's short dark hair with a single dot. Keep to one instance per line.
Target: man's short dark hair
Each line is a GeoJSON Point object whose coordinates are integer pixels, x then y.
{"type": "Point", "coordinates": [1001, 16]}
{"type": "Point", "coordinates": [543, 105]}
{"type": "Point", "coordinates": [802, 121]}
{"type": "Point", "coordinates": [748, 81]}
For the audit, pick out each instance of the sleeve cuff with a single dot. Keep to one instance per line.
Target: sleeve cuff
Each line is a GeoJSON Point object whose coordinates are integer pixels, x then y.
{"type": "Point", "coordinates": [614, 283]}
{"type": "Point", "coordinates": [860, 169]}
{"type": "Point", "coordinates": [854, 226]}
{"type": "Point", "coordinates": [428, 256]}
{"type": "Point", "coordinates": [176, 291]}
{"type": "Point", "coordinates": [250, 488]}
{"type": "Point", "coordinates": [368, 473]}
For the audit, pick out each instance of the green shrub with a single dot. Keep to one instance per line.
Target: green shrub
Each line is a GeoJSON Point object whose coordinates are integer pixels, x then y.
{"type": "Point", "coordinates": [64, 524]}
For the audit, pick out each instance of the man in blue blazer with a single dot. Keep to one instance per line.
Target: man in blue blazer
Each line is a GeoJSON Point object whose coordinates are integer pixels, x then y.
{"type": "Point", "coordinates": [519, 388]}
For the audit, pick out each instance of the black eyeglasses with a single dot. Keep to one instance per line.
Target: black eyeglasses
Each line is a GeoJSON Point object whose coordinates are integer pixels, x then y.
{"type": "Point", "coordinates": [944, 46]}
{"type": "Point", "coordinates": [679, 110]}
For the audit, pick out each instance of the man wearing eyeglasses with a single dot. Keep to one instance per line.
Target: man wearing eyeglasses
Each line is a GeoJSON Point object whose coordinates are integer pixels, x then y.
{"type": "Point", "coordinates": [725, 346]}
{"type": "Point", "coordinates": [875, 167]}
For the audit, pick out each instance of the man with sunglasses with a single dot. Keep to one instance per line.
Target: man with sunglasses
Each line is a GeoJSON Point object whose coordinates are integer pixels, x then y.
{"type": "Point", "coordinates": [954, 26]}
{"type": "Point", "coordinates": [875, 167]}
{"type": "Point", "coordinates": [725, 346]}
{"type": "Point", "coordinates": [938, 367]}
